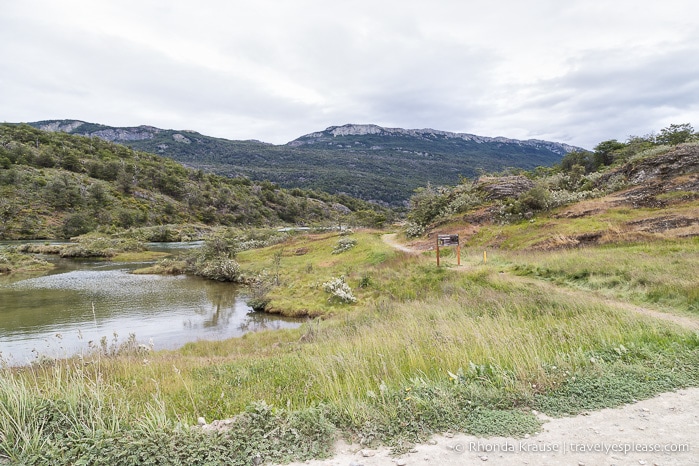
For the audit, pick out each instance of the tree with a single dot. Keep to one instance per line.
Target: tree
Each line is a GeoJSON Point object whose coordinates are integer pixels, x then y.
{"type": "Point", "coordinates": [77, 224]}
{"type": "Point", "coordinates": [62, 192]}
{"type": "Point", "coordinates": [426, 204]}
{"type": "Point", "coordinates": [606, 152]}
{"type": "Point", "coordinates": [583, 159]}
{"type": "Point", "coordinates": [70, 161]}
{"type": "Point", "coordinates": [675, 134]}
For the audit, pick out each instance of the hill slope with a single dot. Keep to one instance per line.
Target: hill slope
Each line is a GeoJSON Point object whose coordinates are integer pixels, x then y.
{"type": "Point", "coordinates": [55, 184]}
{"type": "Point", "coordinates": [652, 196]}
{"type": "Point", "coordinates": [365, 161]}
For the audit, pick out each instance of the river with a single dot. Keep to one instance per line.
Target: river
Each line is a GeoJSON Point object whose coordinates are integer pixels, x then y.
{"type": "Point", "coordinates": [80, 303]}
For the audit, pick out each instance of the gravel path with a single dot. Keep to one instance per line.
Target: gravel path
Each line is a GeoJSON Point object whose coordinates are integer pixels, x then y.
{"type": "Point", "coordinates": [391, 240]}
{"type": "Point", "coordinates": [660, 431]}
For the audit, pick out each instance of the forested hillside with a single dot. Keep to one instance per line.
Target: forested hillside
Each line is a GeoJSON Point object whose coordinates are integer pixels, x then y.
{"type": "Point", "coordinates": [54, 184]}
{"type": "Point", "coordinates": [365, 161]}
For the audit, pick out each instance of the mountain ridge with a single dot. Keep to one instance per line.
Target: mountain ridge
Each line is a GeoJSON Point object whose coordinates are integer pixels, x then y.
{"type": "Point", "coordinates": [370, 162]}
{"type": "Point", "coordinates": [352, 129]}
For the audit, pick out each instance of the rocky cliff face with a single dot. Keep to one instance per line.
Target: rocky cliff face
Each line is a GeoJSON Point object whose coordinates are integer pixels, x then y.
{"type": "Point", "coordinates": [107, 133]}
{"type": "Point", "coordinates": [425, 134]}
{"type": "Point", "coordinates": [63, 126]}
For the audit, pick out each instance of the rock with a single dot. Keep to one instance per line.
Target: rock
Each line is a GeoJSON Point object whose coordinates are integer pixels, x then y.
{"type": "Point", "coordinates": [502, 187]}
{"type": "Point", "coordinates": [367, 453]}
{"type": "Point", "coordinates": [180, 138]}
{"type": "Point", "coordinates": [432, 442]}
{"type": "Point", "coordinates": [201, 421]}
{"type": "Point", "coordinates": [448, 435]}
{"type": "Point", "coordinates": [401, 462]}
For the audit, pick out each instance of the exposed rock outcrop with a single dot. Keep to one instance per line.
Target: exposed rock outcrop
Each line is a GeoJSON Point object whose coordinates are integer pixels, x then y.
{"type": "Point", "coordinates": [426, 133]}
{"type": "Point", "coordinates": [682, 160]}
{"type": "Point", "coordinates": [502, 187]}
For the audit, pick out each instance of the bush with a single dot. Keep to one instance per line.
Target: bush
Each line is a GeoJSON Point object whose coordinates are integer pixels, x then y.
{"type": "Point", "coordinates": [427, 204]}
{"type": "Point", "coordinates": [413, 230]}
{"type": "Point", "coordinates": [339, 290]}
{"type": "Point", "coordinates": [259, 287]}
{"type": "Point", "coordinates": [344, 244]}
{"type": "Point", "coordinates": [77, 224]}
{"type": "Point", "coordinates": [221, 269]}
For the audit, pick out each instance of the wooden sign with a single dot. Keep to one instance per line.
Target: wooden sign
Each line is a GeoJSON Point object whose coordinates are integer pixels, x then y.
{"type": "Point", "coordinates": [449, 240]}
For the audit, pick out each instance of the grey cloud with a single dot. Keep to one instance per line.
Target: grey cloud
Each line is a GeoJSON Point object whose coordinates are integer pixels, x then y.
{"type": "Point", "coordinates": [291, 68]}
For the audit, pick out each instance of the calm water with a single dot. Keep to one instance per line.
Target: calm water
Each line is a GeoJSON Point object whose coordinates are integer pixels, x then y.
{"type": "Point", "coordinates": [60, 313]}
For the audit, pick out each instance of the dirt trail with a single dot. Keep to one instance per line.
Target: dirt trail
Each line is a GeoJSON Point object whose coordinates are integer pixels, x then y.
{"type": "Point", "coordinates": [683, 321]}
{"type": "Point", "coordinates": [660, 431]}
{"type": "Point", "coordinates": [688, 322]}
{"type": "Point", "coordinates": [391, 240]}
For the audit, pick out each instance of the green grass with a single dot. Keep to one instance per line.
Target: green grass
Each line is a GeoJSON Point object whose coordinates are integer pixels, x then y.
{"type": "Point", "coordinates": [424, 350]}
{"type": "Point", "coordinates": [307, 261]}
{"type": "Point", "coordinates": [660, 274]}
{"type": "Point", "coordinates": [12, 261]}
{"type": "Point", "coordinates": [611, 224]}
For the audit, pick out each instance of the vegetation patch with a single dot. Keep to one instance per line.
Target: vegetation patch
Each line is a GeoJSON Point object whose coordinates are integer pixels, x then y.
{"type": "Point", "coordinates": [13, 260]}
{"type": "Point", "coordinates": [87, 246]}
{"type": "Point", "coordinates": [657, 274]}
{"type": "Point", "coordinates": [57, 185]}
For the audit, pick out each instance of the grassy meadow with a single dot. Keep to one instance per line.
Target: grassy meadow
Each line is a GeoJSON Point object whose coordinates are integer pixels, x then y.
{"type": "Point", "coordinates": [421, 350]}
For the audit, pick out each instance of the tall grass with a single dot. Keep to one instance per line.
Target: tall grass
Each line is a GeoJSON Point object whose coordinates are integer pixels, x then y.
{"type": "Point", "coordinates": [38, 404]}
{"type": "Point", "coordinates": [658, 273]}
{"type": "Point", "coordinates": [424, 350]}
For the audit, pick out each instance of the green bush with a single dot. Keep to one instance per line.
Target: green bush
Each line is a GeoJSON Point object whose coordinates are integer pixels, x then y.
{"type": "Point", "coordinates": [77, 224]}
{"type": "Point", "coordinates": [221, 269]}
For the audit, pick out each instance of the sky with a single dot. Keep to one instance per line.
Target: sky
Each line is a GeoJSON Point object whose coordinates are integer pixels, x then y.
{"type": "Point", "coordinates": [575, 71]}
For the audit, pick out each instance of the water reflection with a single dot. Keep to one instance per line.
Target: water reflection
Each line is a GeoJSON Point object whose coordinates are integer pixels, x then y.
{"type": "Point", "coordinates": [83, 301]}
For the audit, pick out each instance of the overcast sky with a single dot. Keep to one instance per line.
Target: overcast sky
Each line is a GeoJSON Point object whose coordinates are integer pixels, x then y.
{"type": "Point", "coordinates": [573, 71]}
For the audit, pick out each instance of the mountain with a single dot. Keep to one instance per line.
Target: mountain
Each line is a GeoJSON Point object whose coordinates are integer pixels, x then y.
{"type": "Point", "coordinates": [370, 162]}
{"type": "Point", "coordinates": [54, 184]}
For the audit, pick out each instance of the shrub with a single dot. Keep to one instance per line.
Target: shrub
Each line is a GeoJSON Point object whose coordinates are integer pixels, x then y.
{"type": "Point", "coordinates": [413, 230]}
{"type": "Point", "coordinates": [427, 204]}
{"type": "Point", "coordinates": [77, 224]}
{"type": "Point", "coordinates": [259, 287]}
{"type": "Point", "coordinates": [221, 269]}
{"type": "Point", "coordinates": [339, 290]}
{"type": "Point", "coordinates": [344, 244]}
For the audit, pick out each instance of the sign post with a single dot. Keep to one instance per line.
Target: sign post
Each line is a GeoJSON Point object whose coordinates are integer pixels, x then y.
{"type": "Point", "coordinates": [449, 240]}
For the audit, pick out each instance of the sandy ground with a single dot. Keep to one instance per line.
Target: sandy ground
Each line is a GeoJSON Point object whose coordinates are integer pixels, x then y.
{"type": "Point", "coordinates": [660, 431]}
